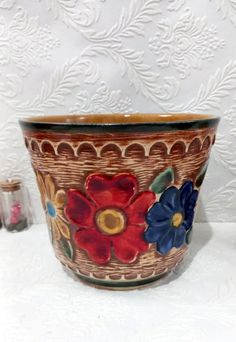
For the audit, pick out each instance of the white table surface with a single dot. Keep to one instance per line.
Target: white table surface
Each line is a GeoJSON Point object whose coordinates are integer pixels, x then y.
{"type": "Point", "coordinates": [40, 302]}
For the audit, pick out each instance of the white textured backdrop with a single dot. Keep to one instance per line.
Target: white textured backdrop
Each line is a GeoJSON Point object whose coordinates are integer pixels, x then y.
{"type": "Point", "coordinates": [60, 56]}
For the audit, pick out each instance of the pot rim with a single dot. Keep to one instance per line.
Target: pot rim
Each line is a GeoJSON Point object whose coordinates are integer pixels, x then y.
{"type": "Point", "coordinates": [120, 122]}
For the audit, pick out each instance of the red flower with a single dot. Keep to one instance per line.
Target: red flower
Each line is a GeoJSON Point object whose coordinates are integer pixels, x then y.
{"type": "Point", "coordinates": [112, 218]}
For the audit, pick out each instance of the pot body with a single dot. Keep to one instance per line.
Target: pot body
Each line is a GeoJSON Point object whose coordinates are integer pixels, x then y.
{"type": "Point", "coordinates": [120, 199]}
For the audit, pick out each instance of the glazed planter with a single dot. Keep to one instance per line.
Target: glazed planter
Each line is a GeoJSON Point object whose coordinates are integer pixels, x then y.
{"type": "Point", "coordinates": [120, 191]}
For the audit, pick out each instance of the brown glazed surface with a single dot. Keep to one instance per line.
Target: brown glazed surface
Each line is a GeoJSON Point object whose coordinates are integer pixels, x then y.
{"type": "Point", "coordinates": [69, 157]}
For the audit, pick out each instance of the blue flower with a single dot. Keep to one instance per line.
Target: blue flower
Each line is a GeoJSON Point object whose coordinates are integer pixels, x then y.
{"type": "Point", "coordinates": [171, 217]}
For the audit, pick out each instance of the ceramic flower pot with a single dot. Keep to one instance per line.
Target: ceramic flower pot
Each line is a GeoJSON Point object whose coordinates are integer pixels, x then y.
{"type": "Point", "coordinates": [120, 191]}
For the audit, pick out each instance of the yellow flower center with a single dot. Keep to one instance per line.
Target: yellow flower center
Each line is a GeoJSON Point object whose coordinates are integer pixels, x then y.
{"type": "Point", "coordinates": [110, 221]}
{"type": "Point", "coordinates": [177, 219]}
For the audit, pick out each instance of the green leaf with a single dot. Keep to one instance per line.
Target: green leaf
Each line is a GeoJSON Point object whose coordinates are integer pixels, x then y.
{"type": "Point", "coordinates": [189, 235]}
{"type": "Point", "coordinates": [67, 248]}
{"type": "Point", "coordinates": [162, 181]}
{"type": "Point", "coordinates": [201, 175]}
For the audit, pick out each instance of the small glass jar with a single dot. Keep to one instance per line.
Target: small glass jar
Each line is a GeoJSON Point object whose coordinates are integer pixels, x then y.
{"type": "Point", "coordinates": [14, 211]}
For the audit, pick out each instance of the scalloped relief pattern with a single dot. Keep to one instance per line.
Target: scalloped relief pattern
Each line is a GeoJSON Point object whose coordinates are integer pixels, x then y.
{"type": "Point", "coordinates": [67, 56]}
{"type": "Point", "coordinates": [64, 147]}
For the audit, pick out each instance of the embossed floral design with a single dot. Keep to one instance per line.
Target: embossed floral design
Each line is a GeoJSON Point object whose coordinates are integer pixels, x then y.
{"type": "Point", "coordinates": [104, 100]}
{"type": "Point", "coordinates": [175, 5]}
{"type": "Point", "coordinates": [210, 95]}
{"type": "Point", "coordinates": [110, 217]}
{"type": "Point", "coordinates": [75, 13]}
{"type": "Point", "coordinates": [109, 42]}
{"type": "Point", "coordinates": [23, 42]}
{"type": "Point", "coordinates": [60, 83]}
{"type": "Point", "coordinates": [227, 9]}
{"type": "Point", "coordinates": [171, 217]}
{"type": "Point", "coordinates": [186, 44]}
{"type": "Point", "coordinates": [53, 203]}
{"type": "Point", "coordinates": [7, 4]}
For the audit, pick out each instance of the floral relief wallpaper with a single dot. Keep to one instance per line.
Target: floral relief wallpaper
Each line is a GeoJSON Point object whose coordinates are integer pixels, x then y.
{"type": "Point", "coordinates": [69, 56]}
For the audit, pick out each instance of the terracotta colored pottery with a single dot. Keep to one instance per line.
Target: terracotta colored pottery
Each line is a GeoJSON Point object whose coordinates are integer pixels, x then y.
{"type": "Point", "coordinates": [119, 191]}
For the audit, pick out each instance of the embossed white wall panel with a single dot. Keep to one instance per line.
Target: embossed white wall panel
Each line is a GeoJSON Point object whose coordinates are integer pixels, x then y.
{"type": "Point", "coordinates": [59, 56]}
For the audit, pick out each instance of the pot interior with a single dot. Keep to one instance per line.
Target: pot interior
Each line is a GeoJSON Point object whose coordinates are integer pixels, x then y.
{"type": "Point", "coordinates": [119, 119]}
